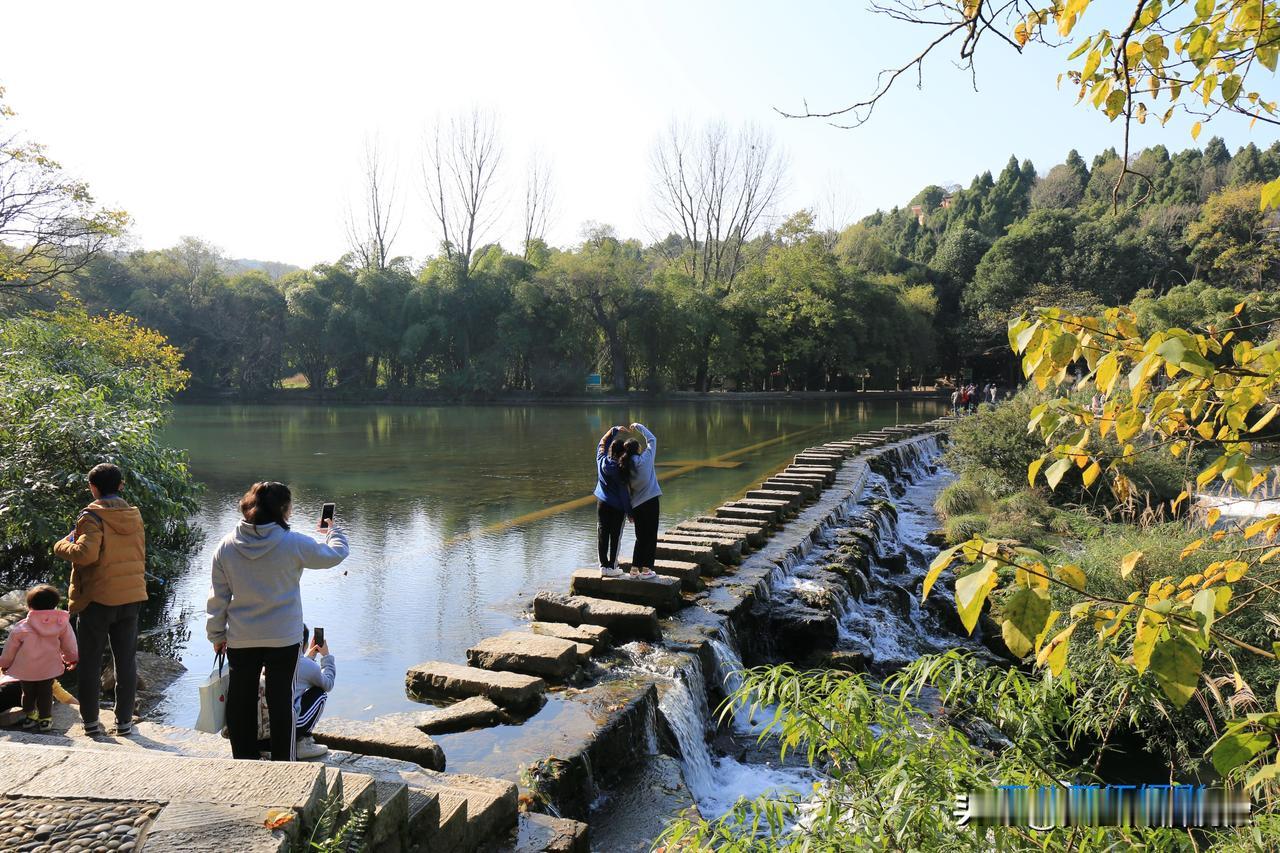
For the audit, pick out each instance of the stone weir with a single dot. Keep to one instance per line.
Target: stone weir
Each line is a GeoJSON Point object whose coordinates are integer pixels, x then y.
{"type": "Point", "coordinates": [600, 710]}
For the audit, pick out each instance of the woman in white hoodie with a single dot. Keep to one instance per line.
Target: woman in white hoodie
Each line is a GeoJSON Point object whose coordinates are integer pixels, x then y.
{"type": "Point", "coordinates": [255, 613]}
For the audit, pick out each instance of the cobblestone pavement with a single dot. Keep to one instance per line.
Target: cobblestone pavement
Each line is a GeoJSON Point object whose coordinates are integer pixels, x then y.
{"type": "Point", "coordinates": [38, 825]}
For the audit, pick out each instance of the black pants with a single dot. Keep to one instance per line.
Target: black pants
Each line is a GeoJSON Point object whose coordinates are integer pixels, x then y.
{"type": "Point", "coordinates": [96, 625]}
{"type": "Point", "coordinates": [38, 696]}
{"type": "Point", "coordinates": [609, 523]}
{"type": "Point", "coordinates": [312, 706]}
{"type": "Point", "coordinates": [646, 521]}
{"type": "Point", "coordinates": [247, 665]}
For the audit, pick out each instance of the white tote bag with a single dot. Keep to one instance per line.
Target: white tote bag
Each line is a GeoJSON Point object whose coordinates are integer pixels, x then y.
{"type": "Point", "coordinates": [213, 700]}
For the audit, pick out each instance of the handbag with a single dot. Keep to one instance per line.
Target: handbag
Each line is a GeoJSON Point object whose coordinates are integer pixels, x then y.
{"type": "Point", "coordinates": [213, 699]}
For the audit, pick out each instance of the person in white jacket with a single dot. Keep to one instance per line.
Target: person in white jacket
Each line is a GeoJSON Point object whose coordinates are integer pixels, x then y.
{"type": "Point", "coordinates": [255, 613]}
{"type": "Point", "coordinates": [644, 501]}
{"type": "Point", "coordinates": [317, 672]}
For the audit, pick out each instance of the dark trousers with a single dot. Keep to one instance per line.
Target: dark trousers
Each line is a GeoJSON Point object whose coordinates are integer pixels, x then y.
{"type": "Point", "coordinates": [38, 696]}
{"type": "Point", "coordinates": [311, 707]}
{"type": "Point", "coordinates": [96, 625]}
{"type": "Point", "coordinates": [609, 523]}
{"type": "Point", "coordinates": [247, 665]}
{"type": "Point", "coordinates": [646, 522]}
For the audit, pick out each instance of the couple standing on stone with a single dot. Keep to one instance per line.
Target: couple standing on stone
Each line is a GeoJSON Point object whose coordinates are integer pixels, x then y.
{"type": "Point", "coordinates": [627, 488]}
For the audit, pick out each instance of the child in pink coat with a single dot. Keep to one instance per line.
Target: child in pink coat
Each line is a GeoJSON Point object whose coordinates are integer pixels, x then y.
{"type": "Point", "coordinates": [40, 648]}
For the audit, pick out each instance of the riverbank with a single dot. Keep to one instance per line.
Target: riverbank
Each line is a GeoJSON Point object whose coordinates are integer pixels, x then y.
{"type": "Point", "coordinates": [434, 397]}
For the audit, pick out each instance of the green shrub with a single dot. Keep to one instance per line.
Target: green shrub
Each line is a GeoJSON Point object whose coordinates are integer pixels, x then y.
{"type": "Point", "coordinates": [959, 497]}
{"type": "Point", "coordinates": [960, 528]}
{"type": "Point", "coordinates": [75, 391]}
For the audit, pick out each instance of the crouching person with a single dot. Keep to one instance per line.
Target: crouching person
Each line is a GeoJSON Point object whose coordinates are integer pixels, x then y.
{"type": "Point", "coordinates": [311, 686]}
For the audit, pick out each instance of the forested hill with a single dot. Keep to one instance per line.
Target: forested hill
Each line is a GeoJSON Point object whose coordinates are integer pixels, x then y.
{"type": "Point", "coordinates": [902, 297]}
{"type": "Point", "coordinates": [1183, 233]}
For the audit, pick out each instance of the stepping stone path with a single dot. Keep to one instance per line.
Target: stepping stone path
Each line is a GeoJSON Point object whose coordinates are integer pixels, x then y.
{"type": "Point", "coordinates": [440, 680]}
{"type": "Point", "coordinates": [660, 592]}
{"type": "Point", "coordinates": [621, 618]}
{"type": "Point", "coordinates": [532, 654]}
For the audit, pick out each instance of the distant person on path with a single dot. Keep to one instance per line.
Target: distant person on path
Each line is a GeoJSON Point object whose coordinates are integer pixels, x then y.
{"type": "Point", "coordinates": [995, 393]}
{"type": "Point", "coordinates": [255, 613]}
{"type": "Point", "coordinates": [39, 649]}
{"type": "Point", "coordinates": [108, 555]}
{"type": "Point", "coordinates": [955, 401]}
{"type": "Point", "coordinates": [613, 499]}
{"type": "Point", "coordinates": [644, 501]}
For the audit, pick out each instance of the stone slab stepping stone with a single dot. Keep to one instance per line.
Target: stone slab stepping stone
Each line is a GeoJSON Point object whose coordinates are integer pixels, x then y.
{"type": "Point", "coordinates": [474, 712]}
{"type": "Point", "coordinates": [689, 574]}
{"type": "Point", "coordinates": [389, 739]}
{"type": "Point", "coordinates": [801, 476]}
{"type": "Point", "coordinates": [540, 833]}
{"type": "Point", "coordinates": [825, 471]}
{"type": "Point", "coordinates": [593, 635]}
{"type": "Point", "coordinates": [754, 536]}
{"type": "Point", "coordinates": [441, 680]}
{"type": "Point", "coordinates": [756, 530]}
{"type": "Point", "coordinates": [660, 592]}
{"type": "Point", "coordinates": [806, 488]}
{"type": "Point", "coordinates": [532, 654]}
{"type": "Point", "coordinates": [791, 496]}
{"type": "Point", "coordinates": [776, 509]}
{"type": "Point", "coordinates": [621, 618]}
{"type": "Point", "coordinates": [740, 509]}
{"type": "Point", "coordinates": [704, 556]}
{"type": "Point", "coordinates": [726, 550]}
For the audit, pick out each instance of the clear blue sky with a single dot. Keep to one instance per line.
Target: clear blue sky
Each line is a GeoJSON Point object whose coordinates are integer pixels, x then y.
{"type": "Point", "coordinates": [243, 123]}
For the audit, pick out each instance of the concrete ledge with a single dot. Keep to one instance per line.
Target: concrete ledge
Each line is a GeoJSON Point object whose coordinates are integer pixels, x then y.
{"type": "Point", "coordinates": [622, 619]}
{"type": "Point", "coordinates": [705, 557]}
{"type": "Point", "coordinates": [441, 680]}
{"type": "Point", "coordinates": [659, 592]}
{"type": "Point", "coordinates": [754, 536]}
{"type": "Point", "coordinates": [387, 739]}
{"type": "Point", "coordinates": [725, 550]}
{"type": "Point", "coordinates": [532, 654]}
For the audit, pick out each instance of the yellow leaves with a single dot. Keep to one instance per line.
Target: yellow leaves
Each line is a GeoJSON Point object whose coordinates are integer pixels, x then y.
{"type": "Point", "coordinates": [1091, 474]}
{"type": "Point", "coordinates": [1271, 194]}
{"type": "Point", "coordinates": [1021, 33]}
{"type": "Point", "coordinates": [1269, 525]}
{"type": "Point", "coordinates": [939, 563]}
{"type": "Point", "coordinates": [972, 591]}
{"type": "Point", "coordinates": [1072, 576]}
{"type": "Point", "coordinates": [1033, 469]}
{"type": "Point", "coordinates": [1265, 419]}
{"type": "Point", "coordinates": [1190, 549]}
{"type": "Point", "coordinates": [1025, 613]}
{"type": "Point", "coordinates": [277, 818]}
{"type": "Point", "coordinates": [1129, 563]}
{"type": "Point", "coordinates": [1212, 516]}
{"type": "Point", "coordinates": [1054, 653]}
{"type": "Point", "coordinates": [1091, 64]}
{"type": "Point", "coordinates": [1056, 471]}
{"type": "Point", "coordinates": [1195, 130]}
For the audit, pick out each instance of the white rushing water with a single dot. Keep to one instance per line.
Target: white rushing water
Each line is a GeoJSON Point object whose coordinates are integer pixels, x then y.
{"type": "Point", "coordinates": [715, 781]}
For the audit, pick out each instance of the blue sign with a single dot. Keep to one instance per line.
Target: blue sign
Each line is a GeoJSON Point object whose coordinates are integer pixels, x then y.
{"type": "Point", "coordinates": [593, 380]}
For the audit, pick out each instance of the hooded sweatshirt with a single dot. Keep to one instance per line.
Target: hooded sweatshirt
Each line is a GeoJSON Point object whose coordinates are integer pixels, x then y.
{"type": "Point", "coordinates": [612, 484]}
{"type": "Point", "coordinates": [644, 480]}
{"type": "Point", "coordinates": [40, 646]}
{"type": "Point", "coordinates": [108, 555]}
{"type": "Point", "coordinates": [256, 597]}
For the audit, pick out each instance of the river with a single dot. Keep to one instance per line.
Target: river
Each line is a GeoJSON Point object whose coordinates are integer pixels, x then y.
{"type": "Point", "coordinates": [457, 515]}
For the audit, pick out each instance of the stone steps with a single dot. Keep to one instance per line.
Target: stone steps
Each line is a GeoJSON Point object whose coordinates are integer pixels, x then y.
{"type": "Point", "coordinates": [754, 536]}
{"type": "Point", "coordinates": [592, 635]}
{"type": "Point", "coordinates": [791, 497]}
{"type": "Point", "coordinates": [388, 738]}
{"type": "Point", "coordinates": [689, 574]}
{"type": "Point", "coordinates": [659, 592]}
{"type": "Point", "coordinates": [703, 556]}
{"type": "Point", "coordinates": [771, 510]}
{"type": "Point", "coordinates": [622, 619]}
{"type": "Point", "coordinates": [441, 680]}
{"type": "Point", "coordinates": [528, 653]}
{"type": "Point", "coordinates": [725, 550]}
{"type": "Point", "coordinates": [807, 489]}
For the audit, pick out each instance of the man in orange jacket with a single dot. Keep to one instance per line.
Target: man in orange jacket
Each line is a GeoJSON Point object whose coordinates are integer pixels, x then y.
{"type": "Point", "coordinates": [108, 554]}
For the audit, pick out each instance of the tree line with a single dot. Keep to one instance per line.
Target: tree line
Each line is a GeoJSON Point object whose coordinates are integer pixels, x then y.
{"type": "Point", "coordinates": [733, 296]}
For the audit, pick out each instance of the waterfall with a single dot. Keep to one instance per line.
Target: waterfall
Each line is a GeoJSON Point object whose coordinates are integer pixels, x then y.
{"type": "Point", "coordinates": [684, 705]}
{"type": "Point", "coordinates": [728, 674]}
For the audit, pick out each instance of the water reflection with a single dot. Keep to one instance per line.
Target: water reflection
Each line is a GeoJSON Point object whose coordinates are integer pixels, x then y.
{"type": "Point", "coordinates": [425, 494]}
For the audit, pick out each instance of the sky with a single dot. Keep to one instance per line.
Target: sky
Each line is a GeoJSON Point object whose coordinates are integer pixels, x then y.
{"type": "Point", "coordinates": [244, 124]}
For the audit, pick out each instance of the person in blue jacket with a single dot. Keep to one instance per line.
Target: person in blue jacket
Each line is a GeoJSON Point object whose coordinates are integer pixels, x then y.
{"type": "Point", "coordinates": [613, 499]}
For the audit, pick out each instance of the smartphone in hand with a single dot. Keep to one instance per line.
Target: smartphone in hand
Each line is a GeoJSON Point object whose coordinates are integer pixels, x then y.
{"type": "Point", "coordinates": [326, 516]}
{"type": "Point", "coordinates": [318, 639]}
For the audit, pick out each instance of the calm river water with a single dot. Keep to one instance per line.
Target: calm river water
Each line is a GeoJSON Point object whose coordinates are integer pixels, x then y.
{"type": "Point", "coordinates": [455, 512]}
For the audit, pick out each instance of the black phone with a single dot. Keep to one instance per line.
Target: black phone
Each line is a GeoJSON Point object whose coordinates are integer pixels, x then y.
{"type": "Point", "coordinates": [318, 639]}
{"type": "Point", "coordinates": [326, 516]}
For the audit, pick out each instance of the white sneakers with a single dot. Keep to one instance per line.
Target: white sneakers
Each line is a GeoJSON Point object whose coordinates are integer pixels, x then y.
{"type": "Point", "coordinates": [644, 575]}
{"type": "Point", "coordinates": [306, 748]}
{"type": "Point", "coordinates": [610, 572]}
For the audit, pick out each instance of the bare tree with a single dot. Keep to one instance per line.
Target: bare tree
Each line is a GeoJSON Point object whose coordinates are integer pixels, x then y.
{"type": "Point", "coordinates": [539, 201]}
{"type": "Point", "coordinates": [50, 225]}
{"type": "Point", "coordinates": [459, 170]}
{"type": "Point", "coordinates": [833, 212]}
{"type": "Point", "coordinates": [714, 188]}
{"type": "Point", "coordinates": [372, 231]}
